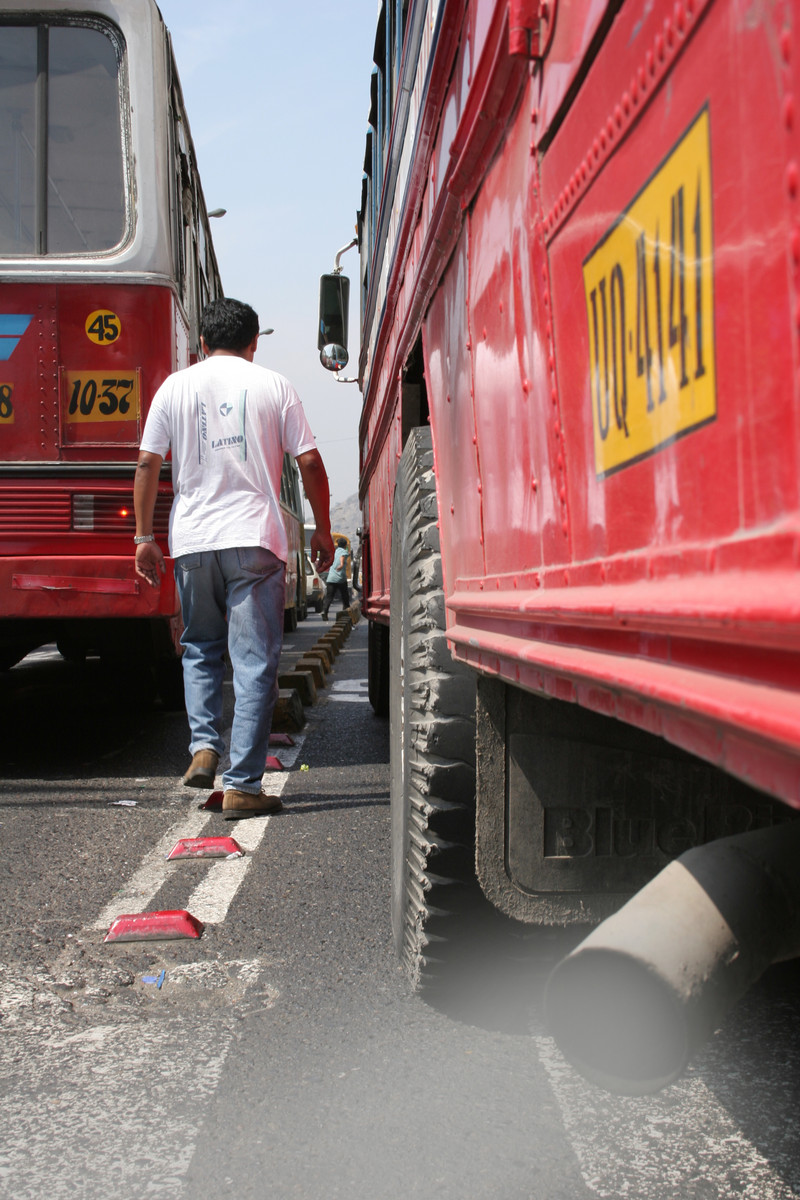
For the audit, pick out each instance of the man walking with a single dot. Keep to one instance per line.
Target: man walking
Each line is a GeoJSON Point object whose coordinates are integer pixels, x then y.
{"type": "Point", "coordinates": [337, 579]}
{"type": "Point", "coordinates": [228, 423]}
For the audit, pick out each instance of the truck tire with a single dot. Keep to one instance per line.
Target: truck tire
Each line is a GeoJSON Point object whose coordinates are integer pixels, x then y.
{"type": "Point", "coordinates": [432, 743]}
{"type": "Point", "coordinates": [378, 667]}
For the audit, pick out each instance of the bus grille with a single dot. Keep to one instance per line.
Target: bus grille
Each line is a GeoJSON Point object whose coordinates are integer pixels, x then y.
{"type": "Point", "coordinates": [29, 512]}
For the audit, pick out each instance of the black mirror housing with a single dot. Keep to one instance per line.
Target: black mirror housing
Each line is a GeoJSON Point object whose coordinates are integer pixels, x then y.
{"type": "Point", "coordinates": [334, 303]}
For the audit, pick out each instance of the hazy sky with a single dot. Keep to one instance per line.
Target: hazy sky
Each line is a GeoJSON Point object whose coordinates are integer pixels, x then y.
{"type": "Point", "coordinates": [277, 95]}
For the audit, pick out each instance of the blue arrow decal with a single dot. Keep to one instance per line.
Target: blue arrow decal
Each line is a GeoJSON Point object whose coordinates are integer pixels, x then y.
{"type": "Point", "coordinates": [12, 327]}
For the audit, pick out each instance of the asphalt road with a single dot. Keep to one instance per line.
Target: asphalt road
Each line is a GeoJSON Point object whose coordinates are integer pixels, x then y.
{"type": "Point", "coordinates": [283, 1054]}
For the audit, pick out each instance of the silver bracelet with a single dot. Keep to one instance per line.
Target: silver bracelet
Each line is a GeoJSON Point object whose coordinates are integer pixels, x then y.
{"type": "Point", "coordinates": [147, 537]}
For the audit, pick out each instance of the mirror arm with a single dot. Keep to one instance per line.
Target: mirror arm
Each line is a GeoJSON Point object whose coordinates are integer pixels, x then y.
{"type": "Point", "coordinates": [337, 264]}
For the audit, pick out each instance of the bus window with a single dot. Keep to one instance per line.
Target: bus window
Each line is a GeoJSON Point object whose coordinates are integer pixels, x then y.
{"type": "Point", "coordinates": [62, 188]}
{"type": "Point", "coordinates": [17, 118]}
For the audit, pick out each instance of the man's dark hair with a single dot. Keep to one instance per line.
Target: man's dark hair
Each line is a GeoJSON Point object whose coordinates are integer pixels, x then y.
{"type": "Point", "coordinates": [341, 542]}
{"type": "Point", "coordinates": [228, 325]}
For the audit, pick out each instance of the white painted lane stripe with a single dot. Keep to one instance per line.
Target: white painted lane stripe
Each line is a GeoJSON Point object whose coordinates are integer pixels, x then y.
{"type": "Point", "coordinates": [287, 755]}
{"type": "Point", "coordinates": [128, 1069]}
{"type": "Point", "coordinates": [214, 895]}
{"type": "Point", "coordinates": [350, 691]}
{"type": "Point", "coordinates": [658, 1146]}
{"type": "Point", "coordinates": [115, 1108]}
{"type": "Point", "coordinates": [112, 1111]}
{"type": "Point", "coordinates": [136, 894]}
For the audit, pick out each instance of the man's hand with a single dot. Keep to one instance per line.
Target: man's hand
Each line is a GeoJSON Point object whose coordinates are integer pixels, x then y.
{"type": "Point", "coordinates": [149, 559]}
{"type": "Point", "coordinates": [150, 563]}
{"type": "Point", "coordinates": [315, 485]}
{"type": "Point", "coordinates": [321, 551]}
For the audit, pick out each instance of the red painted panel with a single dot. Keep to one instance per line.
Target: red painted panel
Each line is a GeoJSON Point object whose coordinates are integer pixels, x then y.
{"type": "Point", "coordinates": [82, 586]}
{"type": "Point", "coordinates": [645, 568]}
{"type": "Point", "coordinates": [741, 470]}
{"type": "Point", "coordinates": [88, 352]}
{"type": "Point", "coordinates": [479, 18]}
{"type": "Point", "coordinates": [29, 374]}
{"type": "Point", "coordinates": [576, 23]}
{"type": "Point", "coordinates": [100, 332]}
{"type": "Point", "coordinates": [747, 728]}
{"type": "Point", "coordinates": [509, 329]}
{"type": "Point", "coordinates": [448, 376]}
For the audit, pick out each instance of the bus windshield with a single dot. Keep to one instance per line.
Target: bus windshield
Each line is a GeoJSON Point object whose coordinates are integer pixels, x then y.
{"type": "Point", "coordinates": [62, 179]}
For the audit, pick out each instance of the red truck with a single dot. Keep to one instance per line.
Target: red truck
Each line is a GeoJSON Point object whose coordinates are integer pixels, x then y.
{"type": "Point", "coordinates": [580, 361]}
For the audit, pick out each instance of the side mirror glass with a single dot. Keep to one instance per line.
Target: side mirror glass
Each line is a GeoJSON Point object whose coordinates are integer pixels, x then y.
{"type": "Point", "coordinates": [333, 357]}
{"type": "Point", "coordinates": [334, 303]}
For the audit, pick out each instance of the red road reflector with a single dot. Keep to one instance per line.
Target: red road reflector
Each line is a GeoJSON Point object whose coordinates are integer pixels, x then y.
{"type": "Point", "coordinates": [273, 764]}
{"type": "Point", "coordinates": [281, 739]}
{"type": "Point", "coordinates": [154, 926]}
{"type": "Point", "coordinates": [206, 847]}
{"type": "Point", "coordinates": [214, 801]}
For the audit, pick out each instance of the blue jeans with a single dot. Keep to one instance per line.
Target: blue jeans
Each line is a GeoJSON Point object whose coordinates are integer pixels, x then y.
{"type": "Point", "coordinates": [234, 599]}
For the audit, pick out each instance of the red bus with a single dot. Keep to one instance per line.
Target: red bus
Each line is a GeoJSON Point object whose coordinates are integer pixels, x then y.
{"type": "Point", "coordinates": [106, 261]}
{"type": "Point", "coordinates": [579, 286]}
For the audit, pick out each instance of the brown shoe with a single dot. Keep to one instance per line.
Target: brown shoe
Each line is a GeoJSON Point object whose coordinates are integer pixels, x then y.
{"type": "Point", "coordinates": [202, 772]}
{"type": "Point", "coordinates": [236, 805]}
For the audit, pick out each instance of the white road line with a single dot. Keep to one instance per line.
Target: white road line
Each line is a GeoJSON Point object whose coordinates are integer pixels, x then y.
{"type": "Point", "coordinates": [628, 1147]}
{"type": "Point", "coordinates": [350, 691]}
{"type": "Point", "coordinates": [286, 754]}
{"type": "Point", "coordinates": [146, 881]}
{"type": "Point", "coordinates": [115, 1108]}
{"type": "Point", "coordinates": [119, 1088]}
{"type": "Point", "coordinates": [214, 894]}
{"type": "Point", "coordinates": [212, 897]}
{"type": "Point", "coordinates": [99, 1112]}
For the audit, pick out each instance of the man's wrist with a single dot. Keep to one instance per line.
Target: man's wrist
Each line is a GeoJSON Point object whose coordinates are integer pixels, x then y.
{"type": "Point", "coordinates": [144, 537]}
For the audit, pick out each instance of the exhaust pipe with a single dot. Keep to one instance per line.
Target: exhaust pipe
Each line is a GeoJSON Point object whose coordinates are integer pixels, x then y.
{"type": "Point", "coordinates": [632, 1003]}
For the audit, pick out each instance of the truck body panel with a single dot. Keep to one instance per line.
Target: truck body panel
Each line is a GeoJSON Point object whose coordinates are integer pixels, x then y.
{"type": "Point", "coordinates": [603, 269]}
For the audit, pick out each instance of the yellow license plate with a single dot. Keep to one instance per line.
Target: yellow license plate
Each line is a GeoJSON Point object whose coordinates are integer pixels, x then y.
{"type": "Point", "coordinates": [6, 404]}
{"type": "Point", "coordinates": [650, 306]}
{"type": "Point", "coordinates": [93, 396]}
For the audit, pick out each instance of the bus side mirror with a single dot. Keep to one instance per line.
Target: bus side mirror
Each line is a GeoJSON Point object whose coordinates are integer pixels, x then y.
{"type": "Point", "coordinates": [334, 302]}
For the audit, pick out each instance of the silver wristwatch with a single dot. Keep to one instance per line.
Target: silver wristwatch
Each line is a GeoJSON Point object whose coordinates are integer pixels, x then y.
{"type": "Point", "coordinates": [146, 537]}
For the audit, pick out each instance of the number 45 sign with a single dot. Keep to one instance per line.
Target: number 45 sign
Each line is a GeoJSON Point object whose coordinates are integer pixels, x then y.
{"type": "Point", "coordinates": [103, 327]}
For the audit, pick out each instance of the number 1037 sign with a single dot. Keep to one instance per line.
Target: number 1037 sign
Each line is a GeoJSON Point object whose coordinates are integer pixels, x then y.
{"type": "Point", "coordinates": [650, 307]}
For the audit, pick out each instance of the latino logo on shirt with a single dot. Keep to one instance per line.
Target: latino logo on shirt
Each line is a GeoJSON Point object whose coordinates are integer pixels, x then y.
{"type": "Point", "coordinates": [222, 430]}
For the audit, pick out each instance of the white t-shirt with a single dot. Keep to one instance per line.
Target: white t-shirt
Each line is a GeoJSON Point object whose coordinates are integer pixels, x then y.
{"type": "Point", "coordinates": [228, 423]}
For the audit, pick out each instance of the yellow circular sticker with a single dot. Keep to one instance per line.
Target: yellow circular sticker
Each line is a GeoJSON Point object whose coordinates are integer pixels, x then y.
{"type": "Point", "coordinates": [103, 327]}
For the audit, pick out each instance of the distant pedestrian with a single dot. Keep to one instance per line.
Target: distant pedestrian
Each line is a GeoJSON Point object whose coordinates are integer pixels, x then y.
{"type": "Point", "coordinates": [228, 424]}
{"type": "Point", "coordinates": [337, 578]}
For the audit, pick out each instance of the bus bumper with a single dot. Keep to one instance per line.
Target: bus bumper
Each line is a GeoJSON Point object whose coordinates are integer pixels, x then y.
{"type": "Point", "coordinates": [76, 587]}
